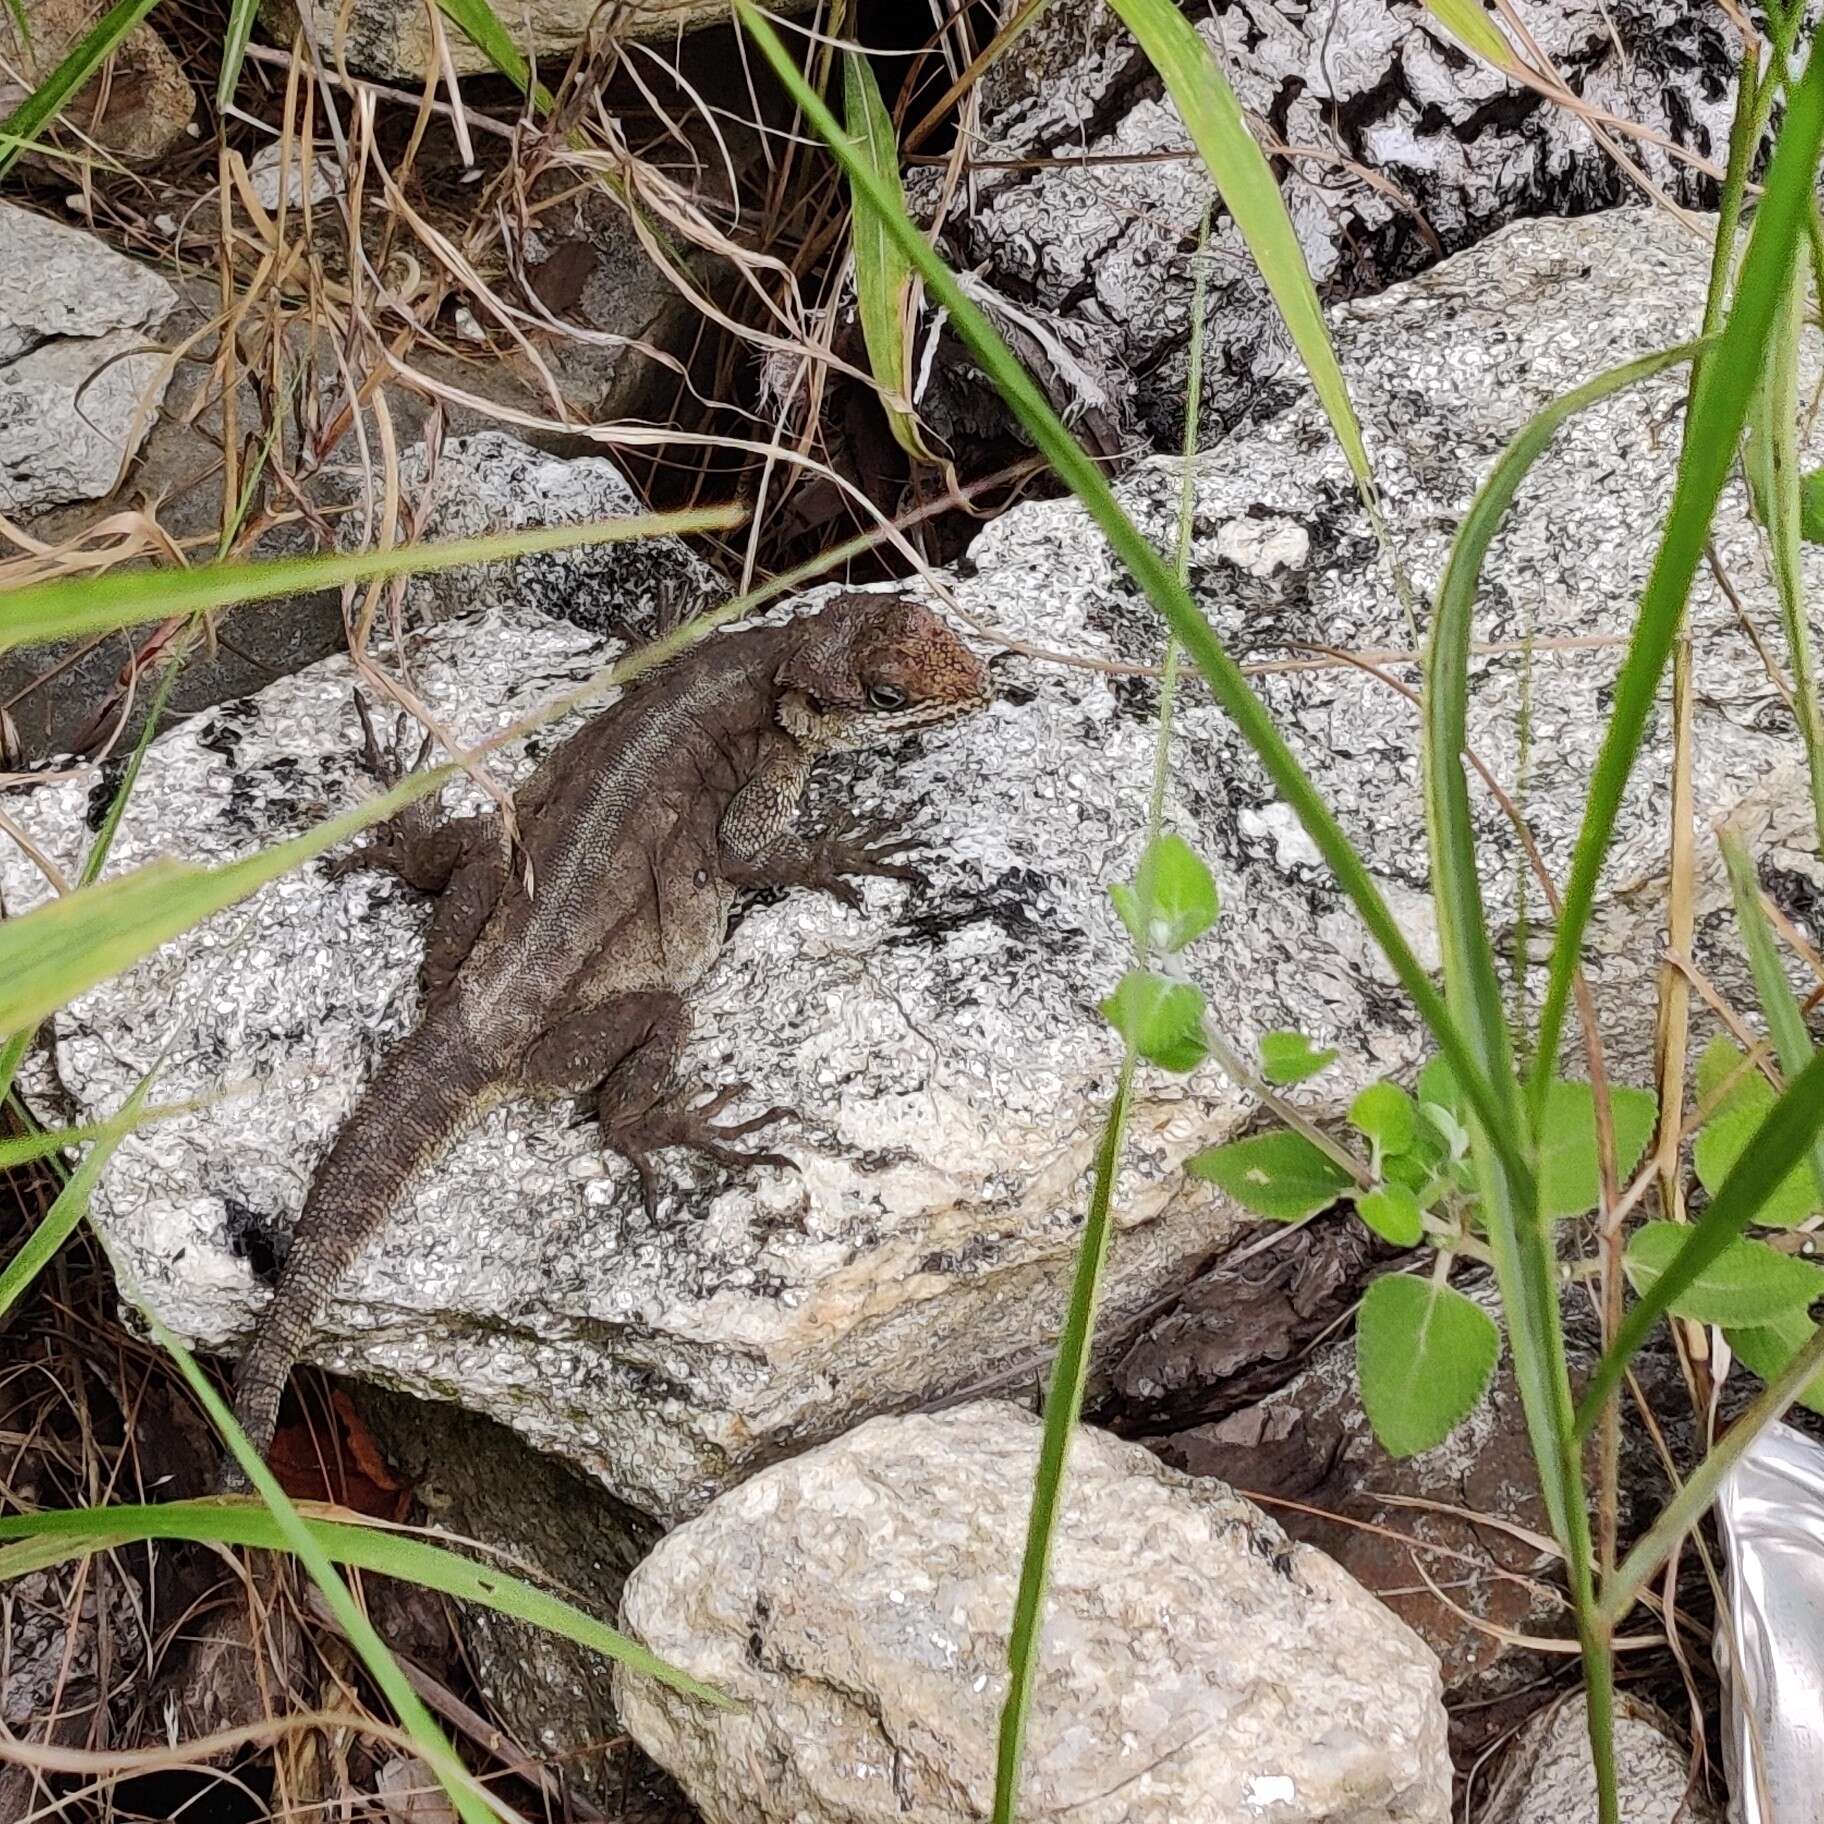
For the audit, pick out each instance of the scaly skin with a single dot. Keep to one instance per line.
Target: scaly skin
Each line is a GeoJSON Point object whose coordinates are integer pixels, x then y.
{"type": "Point", "coordinates": [637, 834]}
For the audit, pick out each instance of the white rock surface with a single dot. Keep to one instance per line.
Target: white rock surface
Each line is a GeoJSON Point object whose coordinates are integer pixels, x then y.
{"type": "Point", "coordinates": [492, 482]}
{"type": "Point", "coordinates": [944, 1048]}
{"type": "Point", "coordinates": [277, 170]}
{"type": "Point", "coordinates": [1197, 1667]}
{"type": "Point", "coordinates": [1548, 1776]}
{"type": "Point", "coordinates": [76, 393]}
{"type": "Point", "coordinates": [1406, 148]}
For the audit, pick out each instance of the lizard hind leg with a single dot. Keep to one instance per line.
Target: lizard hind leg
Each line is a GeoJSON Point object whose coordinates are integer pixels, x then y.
{"type": "Point", "coordinates": [626, 1050]}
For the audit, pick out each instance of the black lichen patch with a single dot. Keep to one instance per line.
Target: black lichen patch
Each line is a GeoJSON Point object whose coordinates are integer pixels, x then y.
{"type": "Point", "coordinates": [1796, 894]}
{"type": "Point", "coordinates": [977, 1252]}
{"type": "Point", "coordinates": [255, 1238]}
{"type": "Point", "coordinates": [1019, 902]}
{"type": "Point", "coordinates": [102, 792]}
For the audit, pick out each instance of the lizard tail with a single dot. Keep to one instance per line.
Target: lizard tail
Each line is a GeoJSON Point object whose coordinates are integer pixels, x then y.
{"type": "Point", "coordinates": [422, 1095]}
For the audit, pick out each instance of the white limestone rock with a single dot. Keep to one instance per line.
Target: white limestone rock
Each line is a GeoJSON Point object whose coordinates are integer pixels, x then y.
{"type": "Point", "coordinates": [1198, 1668]}
{"type": "Point", "coordinates": [78, 381]}
{"type": "Point", "coordinates": [1548, 1776]}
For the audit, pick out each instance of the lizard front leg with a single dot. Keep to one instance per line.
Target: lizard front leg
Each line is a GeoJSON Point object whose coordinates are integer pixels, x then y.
{"type": "Point", "coordinates": [462, 860]}
{"type": "Point", "coordinates": [626, 1051]}
{"type": "Point", "coordinates": [758, 847]}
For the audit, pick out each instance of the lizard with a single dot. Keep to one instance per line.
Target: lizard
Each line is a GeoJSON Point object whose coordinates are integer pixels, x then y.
{"type": "Point", "coordinates": [570, 977]}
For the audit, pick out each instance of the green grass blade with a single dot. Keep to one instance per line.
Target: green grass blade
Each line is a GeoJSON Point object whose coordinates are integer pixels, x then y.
{"type": "Point", "coordinates": [36, 112]}
{"type": "Point", "coordinates": [50, 955]}
{"type": "Point", "coordinates": [883, 275]}
{"type": "Point", "coordinates": [1473, 29]}
{"type": "Point", "coordinates": [21, 24]}
{"type": "Point", "coordinates": [235, 34]}
{"type": "Point", "coordinates": [12, 1053]}
{"type": "Point", "coordinates": [97, 857]}
{"type": "Point", "coordinates": [1469, 967]}
{"type": "Point", "coordinates": [1782, 1140]}
{"type": "Point", "coordinates": [74, 606]}
{"type": "Point", "coordinates": [1245, 180]}
{"type": "Point", "coordinates": [48, 1140]}
{"type": "Point", "coordinates": [481, 25]}
{"type": "Point", "coordinates": [1779, 1006]}
{"type": "Point", "coordinates": [465, 1794]}
{"type": "Point", "coordinates": [1225, 679]}
{"type": "Point", "coordinates": [1713, 429]}
{"type": "Point", "coordinates": [1773, 472]}
{"type": "Point", "coordinates": [1519, 1237]}
{"type": "Point", "coordinates": [71, 1205]}
{"type": "Point", "coordinates": [236, 1520]}
{"type": "Point", "coordinates": [1064, 1399]}
{"type": "Point", "coordinates": [1063, 1404]}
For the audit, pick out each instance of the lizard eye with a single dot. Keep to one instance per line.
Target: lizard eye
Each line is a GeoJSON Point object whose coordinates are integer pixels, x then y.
{"type": "Point", "coordinates": [886, 696]}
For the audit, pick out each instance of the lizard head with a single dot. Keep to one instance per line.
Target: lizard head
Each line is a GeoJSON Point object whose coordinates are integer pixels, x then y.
{"type": "Point", "coordinates": [870, 666]}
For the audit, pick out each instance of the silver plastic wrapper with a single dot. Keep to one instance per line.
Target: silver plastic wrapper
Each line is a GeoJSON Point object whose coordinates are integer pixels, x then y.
{"type": "Point", "coordinates": [1771, 1654]}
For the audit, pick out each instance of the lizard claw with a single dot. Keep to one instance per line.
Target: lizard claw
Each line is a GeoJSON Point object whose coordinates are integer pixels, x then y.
{"type": "Point", "coordinates": [637, 1137]}
{"type": "Point", "coordinates": [839, 862]}
{"type": "Point", "coordinates": [387, 764]}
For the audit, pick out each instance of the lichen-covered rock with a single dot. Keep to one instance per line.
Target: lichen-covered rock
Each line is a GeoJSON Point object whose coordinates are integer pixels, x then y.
{"type": "Point", "coordinates": [1548, 1776]}
{"type": "Point", "coordinates": [1197, 1668]}
{"type": "Point", "coordinates": [1401, 149]}
{"type": "Point", "coordinates": [78, 384]}
{"type": "Point", "coordinates": [491, 483]}
{"type": "Point", "coordinates": [944, 1047]}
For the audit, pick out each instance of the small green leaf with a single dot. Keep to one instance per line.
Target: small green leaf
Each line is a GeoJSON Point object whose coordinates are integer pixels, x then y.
{"type": "Point", "coordinates": [1173, 898]}
{"type": "Point", "coordinates": [1387, 1115]}
{"type": "Point", "coordinates": [1425, 1356]}
{"type": "Point", "coordinates": [1392, 1212]}
{"type": "Point", "coordinates": [1569, 1178]}
{"type": "Point", "coordinates": [1811, 507]}
{"type": "Point", "coordinates": [1438, 1086]}
{"type": "Point", "coordinates": [1720, 1063]}
{"type": "Point", "coordinates": [1767, 1348]}
{"type": "Point", "coordinates": [1290, 1057]}
{"type": "Point", "coordinates": [1748, 1283]}
{"type": "Point", "coordinates": [1417, 1166]}
{"type": "Point", "coordinates": [1725, 1137]}
{"type": "Point", "coordinates": [1162, 1020]}
{"type": "Point", "coordinates": [1281, 1176]}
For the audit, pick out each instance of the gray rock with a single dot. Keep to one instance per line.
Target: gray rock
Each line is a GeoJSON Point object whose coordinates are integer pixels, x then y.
{"type": "Point", "coordinates": [1476, 1595]}
{"type": "Point", "coordinates": [390, 37]}
{"type": "Point", "coordinates": [277, 170]}
{"type": "Point", "coordinates": [137, 107]}
{"type": "Point", "coordinates": [1549, 1777]}
{"type": "Point", "coordinates": [1407, 149]}
{"type": "Point", "coordinates": [78, 382]}
{"type": "Point", "coordinates": [1198, 1668]}
{"type": "Point", "coordinates": [476, 1481]}
{"type": "Point", "coordinates": [492, 483]}
{"type": "Point", "coordinates": [944, 1048]}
